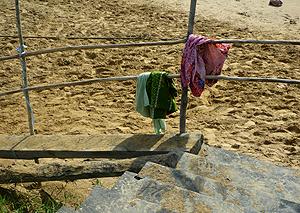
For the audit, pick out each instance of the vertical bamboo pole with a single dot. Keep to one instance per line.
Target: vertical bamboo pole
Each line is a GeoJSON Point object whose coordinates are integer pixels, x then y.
{"type": "Point", "coordinates": [24, 71]}
{"type": "Point", "coordinates": [184, 95]}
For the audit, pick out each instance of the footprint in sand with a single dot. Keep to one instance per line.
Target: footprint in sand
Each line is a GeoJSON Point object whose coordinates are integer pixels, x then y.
{"type": "Point", "coordinates": [290, 20]}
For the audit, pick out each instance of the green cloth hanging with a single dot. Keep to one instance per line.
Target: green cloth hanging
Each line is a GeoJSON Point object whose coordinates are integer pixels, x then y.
{"type": "Point", "coordinates": [155, 98]}
{"type": "Point", "coordinates": [159, 125]}
{"type": "Point", "coordinates": [161, 91]}
{"type": "Point", "coordinates": [142, 104]}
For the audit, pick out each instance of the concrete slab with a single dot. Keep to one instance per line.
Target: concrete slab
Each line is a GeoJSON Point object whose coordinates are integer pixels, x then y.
{"type": "Point", "coordinates": [115, 146]}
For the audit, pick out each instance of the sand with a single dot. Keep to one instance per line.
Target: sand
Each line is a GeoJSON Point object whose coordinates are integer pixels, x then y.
{"type": "Point", "coordinates": [258, 119]}
{"type": "Point", "coordinates": [252, 14]}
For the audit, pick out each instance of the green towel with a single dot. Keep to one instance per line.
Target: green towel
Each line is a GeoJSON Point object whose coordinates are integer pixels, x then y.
{"type": "Point", "coordinates": [155, 98]}
{"type": "Point", "coordinates": [161, 92]}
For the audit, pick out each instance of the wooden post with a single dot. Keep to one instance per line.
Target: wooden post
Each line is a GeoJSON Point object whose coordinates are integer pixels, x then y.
{"type": "Point", "coordinates": [24, 72]}
{"type": "Point", "coordinates": [184, 95]}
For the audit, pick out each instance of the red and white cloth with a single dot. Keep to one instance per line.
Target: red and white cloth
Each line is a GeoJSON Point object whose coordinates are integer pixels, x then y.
{"type": "Point", "coordinates": [201, 58]}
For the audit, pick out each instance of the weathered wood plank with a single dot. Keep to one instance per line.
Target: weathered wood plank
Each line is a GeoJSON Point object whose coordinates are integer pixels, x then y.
{"type": "Point", "coordinates": [35, 154]}
{"type": "Point", "coordinates": [82, 169]}
{"type": "Point", "coordinates": [99, 146]}
{"type": "Point", "coordinates": [8, 142]}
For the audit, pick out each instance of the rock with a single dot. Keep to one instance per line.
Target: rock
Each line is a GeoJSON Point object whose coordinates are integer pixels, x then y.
{"type": "Point", "coordinates": [110, 201]}
{"type": "Point", "coordinates": [66, 210]}
{"type": "Point", "coordinates": [236, 146]}
{"type": "Point", "coordinates": [249, 124]}
{"type": "Point", "coordinates": [170, 197]}
{"type": "Point", "coordinates": [244, 172]}
{"type": "Point", "coordinates": [275, 3]}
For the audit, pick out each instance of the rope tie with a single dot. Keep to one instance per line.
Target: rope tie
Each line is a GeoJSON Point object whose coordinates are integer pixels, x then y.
{"type": "Point", "coordinates": [18, 49]}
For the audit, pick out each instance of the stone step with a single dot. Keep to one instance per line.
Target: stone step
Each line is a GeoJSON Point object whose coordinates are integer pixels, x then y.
{"type": "Point", "coordinates": [120, 199]}
{"type": "Point", "coordinates": [249, 200]}
{"type": "Point", "coordinates": [65, 210]}
{"type": "Point", "coordinates": [235, 174]}
{"type": "Point", "coordinates": [110, 201]}
{"type": "Point", "coordinates": [234, 159]}
{"type": "Point", "coordinates": [170, 197]}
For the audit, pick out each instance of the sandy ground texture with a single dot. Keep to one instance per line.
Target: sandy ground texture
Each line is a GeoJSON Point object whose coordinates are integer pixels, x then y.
{"type": "Point", "coordinates": [253, 14]}
{"type": "Point", "coordinates": [259, 119]}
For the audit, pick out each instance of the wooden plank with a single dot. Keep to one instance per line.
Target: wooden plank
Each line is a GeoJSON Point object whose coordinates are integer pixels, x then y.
{"type": "Point", "coordinates": [100, 146]}
{"type": "Point", "coordinates": [8, 142]}
{"type": "Point", "coordinates": [36, 154]}
{"type": "Point", "coordinates": [61, 170]}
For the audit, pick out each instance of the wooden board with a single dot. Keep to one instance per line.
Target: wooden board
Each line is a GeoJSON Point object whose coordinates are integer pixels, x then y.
{"type": "Point", "coordinates": [96, 146]}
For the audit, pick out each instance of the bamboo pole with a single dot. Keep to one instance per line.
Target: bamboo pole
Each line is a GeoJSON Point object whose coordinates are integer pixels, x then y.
{"type": "Point", "coordinates": [184, 94]}
{"type": "Point", "coordinates": [238, 41]}
{"type": "Point", "coordinates": [97, 46]}
{"type": "Point", "coordinates": [158, 43]}
{"type": "Point", "coordinates": [89, 38]}
{"type": "Point", "coordinates": [133, 77]}
{"type": "Point", "coordinates": [125, 78]}
{"type": "Point", "coordinates": [24, 71]}
{"type": "Point", "coordinates": [253, 79]}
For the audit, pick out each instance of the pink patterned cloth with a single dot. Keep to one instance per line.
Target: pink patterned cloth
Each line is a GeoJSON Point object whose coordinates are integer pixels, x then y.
{"type": "Point", "coordinates": [201, 58]}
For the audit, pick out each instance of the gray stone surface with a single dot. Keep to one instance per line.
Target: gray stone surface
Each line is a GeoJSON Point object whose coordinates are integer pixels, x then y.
{"type": "Point", "coordinates": [120, 199]}
{"type": "Point", "coordinates": [237, 175]}
{"type": "Point", "coordinates": [219, 190]}
{"type": "Point", "coordinates": [107, 201]}
{"type": "Point", "coordinates": [65, 210]}
{"type": "Point", "coordinates": [184, 179]}
{"type": "Point", "coordinates": [180, 200]}
{"type": "Point", "coordinates": [171, 197]}
{"type": "Point", "coordinates": [237, 160]}
{"type": "Point", "coordinates": [213, 181]}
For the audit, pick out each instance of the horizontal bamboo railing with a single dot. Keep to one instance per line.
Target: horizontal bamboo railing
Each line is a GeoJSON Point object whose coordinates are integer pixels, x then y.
{"type": "Point", "coordinates": [142, 44]}
{"type": "Point", "coordinates": [134, 37]}
{"type": "Point", "coordinates": [133, 77]}
{"type": "Point", "coordinates": [97, 46]}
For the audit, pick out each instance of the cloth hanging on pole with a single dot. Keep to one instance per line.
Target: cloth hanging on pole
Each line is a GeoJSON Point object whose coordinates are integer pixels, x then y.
{"type": "Point", "coordinates": [155, 98]}
{"type": "Point", "coordinates": [142, 104]}
{"type": "Point", "coordinates": [162, 92]}
{"type": "Point", "coordinates": [201, 58]}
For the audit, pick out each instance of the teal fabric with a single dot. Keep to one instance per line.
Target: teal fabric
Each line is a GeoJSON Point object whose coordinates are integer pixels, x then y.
{"type": "Point", "coordinates": [155, 98]}
{"type": "Point", "coordinates": [141, 97]}
{"type": "Point", "coordinates": [159, 126]}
